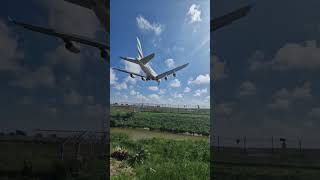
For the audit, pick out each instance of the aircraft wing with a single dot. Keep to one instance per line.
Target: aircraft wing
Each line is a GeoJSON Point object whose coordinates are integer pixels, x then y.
{"type": "Point", "coordinates": [171, 71]}
{"type": "Point", "coordinates": [227, 19]}
{"type": "Point", "coordinates": [64, 36]}
{"type": "Point", "coordinates": [82, 3]}
{"type": "Point", "coordinates": [128, 72]}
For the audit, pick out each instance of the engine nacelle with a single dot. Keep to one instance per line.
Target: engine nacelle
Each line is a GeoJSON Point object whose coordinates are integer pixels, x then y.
{"type": "Point", "coordinates": [174, 74]}
{"type": "Point", "coordinates": [104, 54]}
{"type": "Point", "coordinates": [143, 79]}
{"type": "Point", "coordinates": [166, 78]}
{"type": "Point", "coordinates": [131, 75]}
{"type": "Point", "coordinates": [71, 47]}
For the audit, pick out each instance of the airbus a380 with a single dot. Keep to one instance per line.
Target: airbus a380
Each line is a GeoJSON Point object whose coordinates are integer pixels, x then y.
{"type": "Point", "coordinates": [150, 74]}
{"type": "Point", "coordinates": [101, 10]}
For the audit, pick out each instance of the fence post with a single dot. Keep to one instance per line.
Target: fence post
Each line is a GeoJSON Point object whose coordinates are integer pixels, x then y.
{"type": "Point", "coordinates": [300, 145]}
{"type": "Point", "coordinates": [244, 143]}
{"type": "Point", "coordinates": [272, 146]}
{"type": "Point", "coordinates": [218, 143]}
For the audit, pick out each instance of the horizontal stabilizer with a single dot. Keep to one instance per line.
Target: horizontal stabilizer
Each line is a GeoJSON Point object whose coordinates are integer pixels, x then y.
{"type": "Point", "coordinates": [146, 59]}
{"type": "Point", "coordinates": [128, 72]}
{"type": "Point", "coordinates": [133, 60]}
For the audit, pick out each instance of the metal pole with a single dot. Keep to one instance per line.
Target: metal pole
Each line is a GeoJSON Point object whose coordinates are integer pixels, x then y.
{"type": "Point", "coordinates": [272, 147]}
{"type": "Point", "coordinates": [244, 144]}
{"type": "Point", "coordinates": [218, 143]}
{"type": "Point", "coordinates": [300, 145]}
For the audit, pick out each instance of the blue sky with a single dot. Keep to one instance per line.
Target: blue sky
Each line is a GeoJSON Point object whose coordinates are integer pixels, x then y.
{"type": "Point", "coordinates": [267, 69]}
{"type": "Point", "coordinates": [42, 84]}
{"type": "Point", "coordinates": [177, 32]}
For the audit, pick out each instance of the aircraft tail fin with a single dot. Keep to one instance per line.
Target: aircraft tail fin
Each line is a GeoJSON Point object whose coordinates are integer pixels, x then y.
{"type": "Point", "coordinates": [140, 52]}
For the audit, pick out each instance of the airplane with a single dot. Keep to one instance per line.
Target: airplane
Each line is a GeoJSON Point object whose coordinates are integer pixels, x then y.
{"type": "Point", "coordinates": [150, 74]}
{"type": "Point", "coordinates": [101, 10]}
{"type": "Point", "coordinates": [227, 19]}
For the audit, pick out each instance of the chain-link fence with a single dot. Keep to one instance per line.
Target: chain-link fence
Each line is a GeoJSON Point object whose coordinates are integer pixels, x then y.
{"type": "Point", "coordinates": [170, 108]}
{"type": "Point", "coordinates": [44, 153]}
{"type": "Point", "coordinates": [272, 143]}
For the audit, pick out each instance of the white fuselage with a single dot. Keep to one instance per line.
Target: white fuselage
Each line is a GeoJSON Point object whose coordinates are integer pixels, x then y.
{"type": "Point", "coordinates": [150, 73]}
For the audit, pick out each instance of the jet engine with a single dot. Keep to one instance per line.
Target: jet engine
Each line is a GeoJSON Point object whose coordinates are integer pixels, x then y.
{"type": "Point", "coordinates": [166, 78]}
{"type": "Point", "coordinates": [104, 54]}
{"type": "Point", "coordinates": [174, 74]}
{"type": "Point", "coordinates": [143, 79]}
{"type": "Point", "coordinates": [131, 75]}
{"type": "Point", "coordinates": [71, 47]}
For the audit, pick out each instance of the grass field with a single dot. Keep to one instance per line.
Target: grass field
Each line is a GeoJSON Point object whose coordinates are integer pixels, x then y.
{"type": "Point", "coordinates": [164, 121]}
{"type": "Point", "coordinates": [43, 161]}
{"type": "Point", "coordinates": [171, 153]}
{"type": "Point", "coordinates": [167, 159]}
{"type": "Point", "coordinates": [233, 163]}
{"type": "Point", "coordinates": [137, 134]}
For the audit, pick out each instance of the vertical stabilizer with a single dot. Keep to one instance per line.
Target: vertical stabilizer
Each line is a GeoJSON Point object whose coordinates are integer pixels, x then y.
{"type": "Point", "coordinates": [140, 53]}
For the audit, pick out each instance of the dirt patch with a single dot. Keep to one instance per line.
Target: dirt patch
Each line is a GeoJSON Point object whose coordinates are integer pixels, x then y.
{"type": "Point", "coordinates": [118, 167]}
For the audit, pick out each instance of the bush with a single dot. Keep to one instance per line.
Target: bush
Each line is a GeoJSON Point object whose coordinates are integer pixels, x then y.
{"type": "Point", "coordinates": [139, 157]}
{"type": "Point", "coordinates": [120, 154]}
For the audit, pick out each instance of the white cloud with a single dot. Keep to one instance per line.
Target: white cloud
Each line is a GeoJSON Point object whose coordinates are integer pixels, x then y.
{"type": "Point", "coordinates": [194, 13]}
{"type": "Point", "coordinates": [73, 98]}
{"type": "Point", "coordinates": [162, 91]}
{"type": "Point", "coordinates": [177, 95]}
{"type": "Point", "coordinates": [200, 92]}
{"type": "Point", "coordinates": [132, 67]}
{"type": "Point", "coordinates": [121, 86]}
{"type": "Point", "coordinates": [186, 90]}
{"type": "Point", "coordinates": [201, 79]}
{"type": "Point", "coordinates": [280, 104]}
{"type": "Point", "coordinates": [113, 78]}
{"type": "Point", "coordinates": [144, 24]}
{"type": "Point", "coordinates": [154, 97]}
{"type": "Point", "coordinates": [153, 88]}
{"type": "Point", "coordinates": [133, 92]}
{"type": "Point", "coordinates": [258, 61]}
{"type": "Point", "coordinates": [283, 98]}
{"type": "Point", "coordinates": [9, 53]}
{"type": "Point", "coordinates": [175, 83]}
{"type": "Point", "coordinates": [130, 80]}
{"type": "Point", "coordinates": [170, 63]}
{"type": "Point", "coordinates": [42, 77]}
{"type": "Point", "coordinates": [296, 56]}
{"type": "Point", "coordinates": [247, 88]}
{"type": "Point", "coordinates": [224, 108]}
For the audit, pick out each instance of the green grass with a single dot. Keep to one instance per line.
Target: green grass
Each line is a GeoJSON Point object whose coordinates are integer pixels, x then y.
{"type": "Point", "coordinates": [163, 121]}
{"type": "Point", "coordinates": [169, 159]}
{"type": "Point", "coordinates": [43, 158]}
{"type": "Point", "coordinates": [136, 134]}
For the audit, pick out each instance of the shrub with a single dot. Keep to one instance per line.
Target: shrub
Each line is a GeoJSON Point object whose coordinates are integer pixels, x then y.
{"type": "Point", "coordinates": [120, 154]}
{"type": "Point", "coordinates": [139, 157]}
